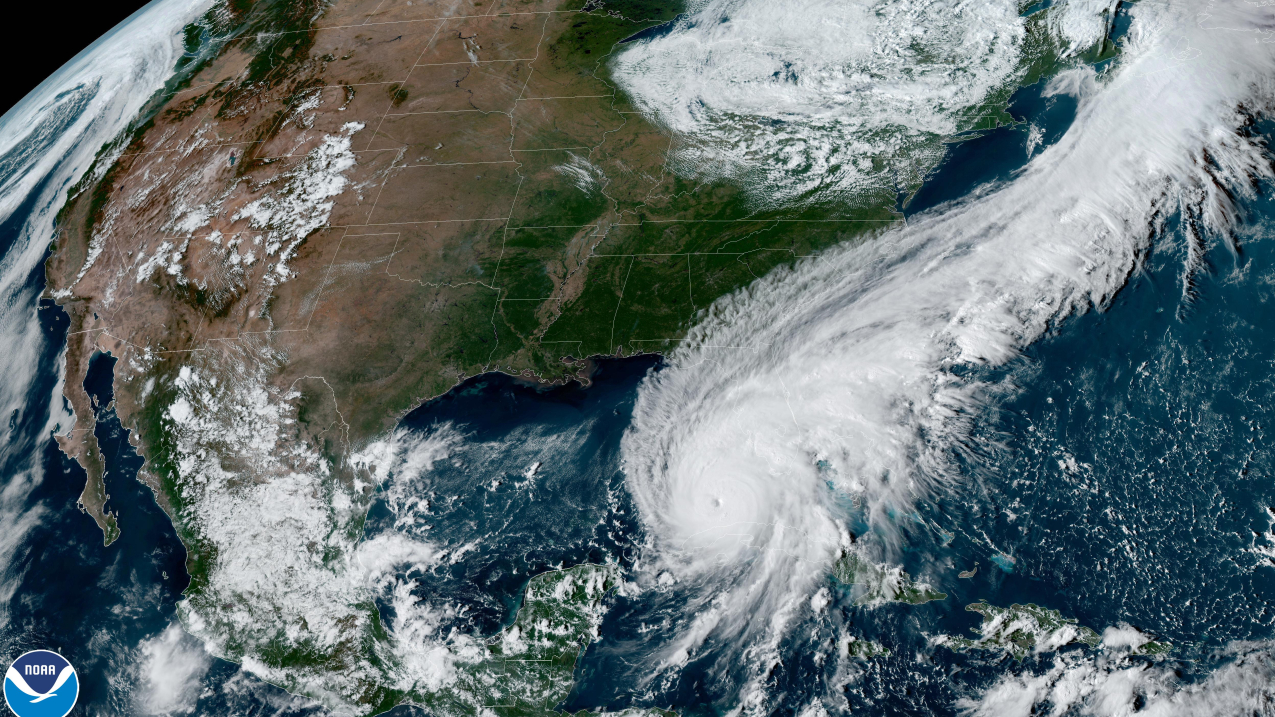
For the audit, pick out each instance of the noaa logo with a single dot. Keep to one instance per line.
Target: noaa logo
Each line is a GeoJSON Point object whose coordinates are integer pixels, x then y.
{"type": "Point", "coordinates": [41, 684]}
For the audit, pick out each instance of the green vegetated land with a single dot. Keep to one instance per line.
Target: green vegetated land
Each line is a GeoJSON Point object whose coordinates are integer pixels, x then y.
{"type": "Point", "coordinates": [659, 248]}
{"type": "Point", "coordinates": [865, 649]}
{"type": "Point", "coordinates": [604, 251]}
{"type": "Point", "coordinates": [876, 584]}
{"type": "Point", "coordinates": [1021, 629]}
{"type": "Point", "coordinates": [527, 670]}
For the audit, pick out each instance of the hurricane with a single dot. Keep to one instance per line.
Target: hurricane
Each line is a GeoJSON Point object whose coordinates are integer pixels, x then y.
{"type": "Point", "coordinates": [961, 404]}
{"type": "Point", "coordinates": [817, 408]}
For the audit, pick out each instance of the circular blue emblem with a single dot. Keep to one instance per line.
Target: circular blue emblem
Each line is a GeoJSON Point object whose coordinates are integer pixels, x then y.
{"type": "Point", "coordinates": [41, 684]}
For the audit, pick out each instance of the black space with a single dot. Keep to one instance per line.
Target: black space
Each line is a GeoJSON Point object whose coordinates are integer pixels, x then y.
{"type": "Point", "coordinates": [39, 37]}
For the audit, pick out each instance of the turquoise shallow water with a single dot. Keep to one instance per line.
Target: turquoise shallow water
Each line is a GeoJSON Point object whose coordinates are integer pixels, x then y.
{"type": "Point", "coordinates": [1162, 406]}
{"type": "Point", "coordinates": [1122, 475]}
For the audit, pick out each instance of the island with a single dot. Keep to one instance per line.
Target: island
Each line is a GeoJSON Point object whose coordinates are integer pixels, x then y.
{"type": "Point", "coordinates": [335, 211]}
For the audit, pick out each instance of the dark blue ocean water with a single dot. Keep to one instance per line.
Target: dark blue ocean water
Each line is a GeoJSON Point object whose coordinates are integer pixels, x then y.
{"type": "Point", "coordinates": [1131, 469]}
{"type": "Point", "coordinates": [996, 155]}
{"type": "Point", "coordinates": [1122, 477]}
{"type": "Point", "coordinates": [573, 510]}
{"type": "Point", "coordinates": [1164, 407]}
{"type": "Point", "coordinates": [60, 588]}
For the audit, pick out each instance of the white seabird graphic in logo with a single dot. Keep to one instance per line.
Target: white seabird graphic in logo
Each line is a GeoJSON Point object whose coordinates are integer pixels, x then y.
{"type": "Point", "coordinates": [13, 676]}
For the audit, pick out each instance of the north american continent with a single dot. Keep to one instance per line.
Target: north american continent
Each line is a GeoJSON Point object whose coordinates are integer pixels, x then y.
{"type": "Point", "coordinates": [336, 211]}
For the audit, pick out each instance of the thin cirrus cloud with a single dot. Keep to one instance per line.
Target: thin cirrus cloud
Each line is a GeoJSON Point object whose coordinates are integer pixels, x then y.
{"type": "Point", "coordinates": [832, 384]}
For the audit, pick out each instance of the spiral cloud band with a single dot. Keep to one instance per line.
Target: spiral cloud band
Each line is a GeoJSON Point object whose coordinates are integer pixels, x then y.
{"type": "Point", "coordinates": [836, 387]}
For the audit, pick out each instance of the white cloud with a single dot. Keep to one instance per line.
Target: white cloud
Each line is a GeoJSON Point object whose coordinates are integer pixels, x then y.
{"type": "Point", "coordinates": [170, 672]}
{"type": "Point", "coordinates": [378, 557]}
{"type": "Point", "coordinates": [820, 95]}
{"type": "Point", "coordinates": [1081, 685]}
{"type": "Point", "coordinates": [743, 461]}
{"type": "Point", "coordinates": [47, 141]}
{"type": "Point", "coordinates": [304, 203]}
{"type": "Point", "coordinates": [1124, 636]}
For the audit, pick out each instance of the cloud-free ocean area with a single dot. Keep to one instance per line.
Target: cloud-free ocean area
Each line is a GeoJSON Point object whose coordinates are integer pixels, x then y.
{"type": "Point", "coordinates": [938, 400]}
{"type": "Point", "coordinates": [1122, 479]}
